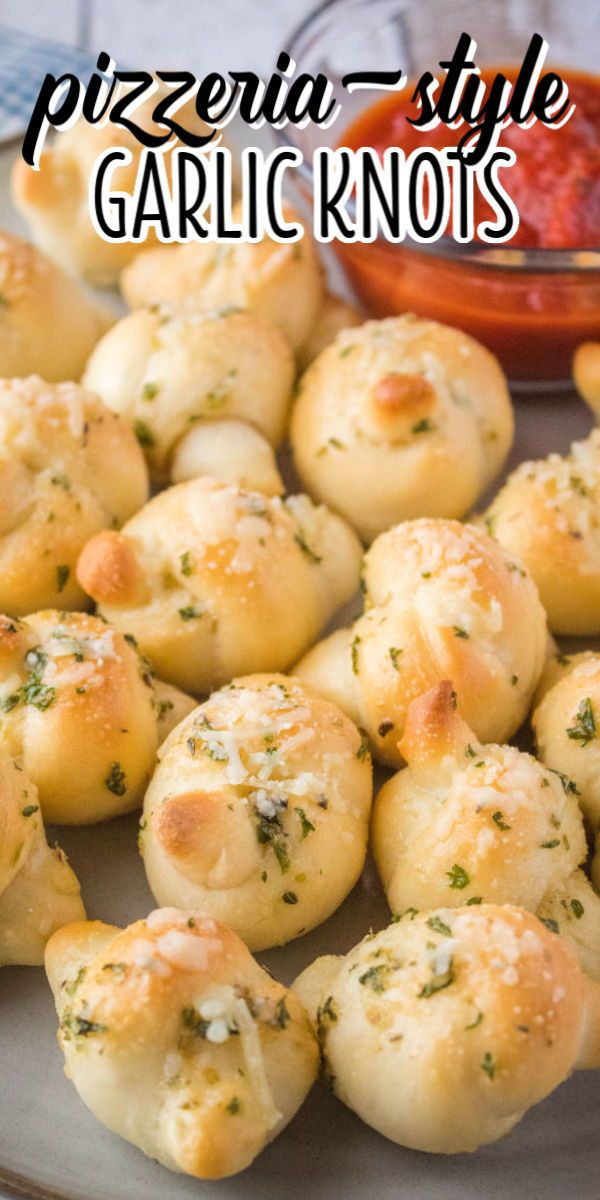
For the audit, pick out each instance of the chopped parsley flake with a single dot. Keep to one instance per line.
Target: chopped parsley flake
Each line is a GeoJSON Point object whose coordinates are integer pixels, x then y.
{"type": "Point", "coordinates": [577, 909]}
{"type": "Point", "coordinates": [374, 978]}
{"type": "Point", "coordinates": [569, 785]}
{"type": "Point", "coordinates": [186, 564]}
{"type": "Point", "coordinates": [33, 692]}
{"type": "Point", "coordinates": [115, 780]}
{"type": "Point", "coordinates": [300, 541]}
{"type": "Point", "coordinates": [408, 912]}
{"type": "Point", "coordinates": [458, 877]}
{"type": "Point", "coordinates": [80, 1026]}
{"type": "Point", "coordinates": [363, 750]}
{"type": "Point", "coordinates": [488, 1065]}
{"type": "Point", "coordinates": [437, 983]}
{"type": "Point", "coordinates": [578, 485]}
{"type": "Point", "coordinates": [62, 575]}
{"type": "Point", "coordinates": [190, 612]}
{"type": "Point", "coordinates": [71, 988]}
{"type": "Point", "coordinates": [498, 818]}
{"type": "Point", "coordinates": [354, 654]}
{"type": "Point", "coordinates": [289, 898]}
{"type": "Point", "coordinates": [439, 926]}
{"type": "Point", "coordinates": [270, 831]}
{"type": "Point", "coordinates": [584, 728]}
{"type": "Point", "coordinates": [326, 1012]}
{"type": "Point", "coordinates": [307, 826]}
{"type": "Point", "coordinates": [281, 1016]}
{"type": "Point", "coordinates": [394, 653]}
{"type": "Point", "coordinates": [143, 434]}
{"type": "Point", "coordinates": [476, 1022]}
{"type": "Point", "coordinates": [194, 1023]}
{"type": "Point", "coordinates": [62, 481]}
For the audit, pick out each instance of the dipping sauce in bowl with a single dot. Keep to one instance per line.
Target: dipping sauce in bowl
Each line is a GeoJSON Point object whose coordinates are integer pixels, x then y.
{"type": "Point", "coordinates": [533, 299]}
{"type": "Point", "coordinates": [555, 182]}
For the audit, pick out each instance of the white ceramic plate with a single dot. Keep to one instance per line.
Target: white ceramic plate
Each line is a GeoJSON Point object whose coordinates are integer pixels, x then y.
{"type": "Point", "coordinates": [51, 1148]}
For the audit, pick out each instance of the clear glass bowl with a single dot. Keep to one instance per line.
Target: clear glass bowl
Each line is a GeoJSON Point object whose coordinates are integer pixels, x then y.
{"type": "Point", "coordinates": [532, 307]}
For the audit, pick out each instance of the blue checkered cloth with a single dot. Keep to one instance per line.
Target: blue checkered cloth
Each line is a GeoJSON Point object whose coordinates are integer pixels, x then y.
{"type": "Point", "coordinates": [24, 61]}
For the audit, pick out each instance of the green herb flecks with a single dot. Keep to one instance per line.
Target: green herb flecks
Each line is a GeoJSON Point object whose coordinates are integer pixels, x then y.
{"type": "Point", "coordinates": [62, 576]}
{"type": "Point", "coordinates": [306, 825]}
{"type": "Point", "coordinates": [438, 982]}
{"type": "Point", "coordinates": [394, 653]}
{"type": "Point", "coordinates": [498, 819]}
{"type": "Point", "coordinates": [488, 1065]}
{"type": "Point", "coordinates": [569, 785]}
{"type": "Point", "coordinates": [475, 1023]}
{"type": "Point", "coordinates": [584, 728]}
{"type": "Point", "coordinates": [270, 832]}
{"type": "Point", "coordinates": [190, 613]}
{"type": "Point", "coordinates": [116, 781]}
{"type": "Point", "coordinates": [144, 434]}
{"type": "Point", "coordinates": [80, 1026]}
{"type": "Point", "coordinates": [439, 926]}
{"type": "Point", "coordinates": [458, 877]}
{"type": "Point", "coordinates": [309, 553]}
{"type": "Point", "coordinates": [374, 977]}
{"type": "Point", "coordinates": [354, 654]}
{"type": "Point", "coordinates": [363, 750]}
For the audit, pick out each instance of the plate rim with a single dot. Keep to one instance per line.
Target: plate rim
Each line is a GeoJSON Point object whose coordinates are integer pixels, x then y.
{"type": "Point", "coordinates": [17, 1187]}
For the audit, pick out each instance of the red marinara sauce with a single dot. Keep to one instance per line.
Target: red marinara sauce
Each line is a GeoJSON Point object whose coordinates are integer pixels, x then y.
{"type": "Point", "coordinates": [532, 319]}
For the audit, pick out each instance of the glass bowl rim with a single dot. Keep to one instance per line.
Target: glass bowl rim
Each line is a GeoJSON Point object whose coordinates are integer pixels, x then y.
{"type": "Point", "coordinates": [523, 259]}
